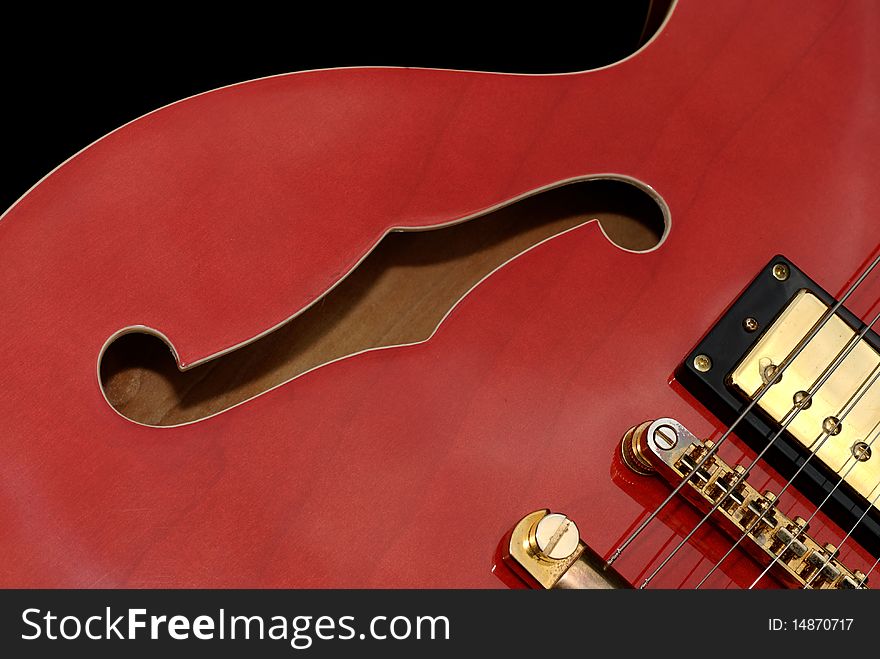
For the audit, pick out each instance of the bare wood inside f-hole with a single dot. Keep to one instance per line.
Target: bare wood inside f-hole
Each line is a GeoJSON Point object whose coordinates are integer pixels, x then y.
{"type": "Point", "coordinates": [397, 295]}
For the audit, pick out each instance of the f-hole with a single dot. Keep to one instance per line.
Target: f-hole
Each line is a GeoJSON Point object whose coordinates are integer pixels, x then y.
{"type": "Point", "coordinates": [397, 295]}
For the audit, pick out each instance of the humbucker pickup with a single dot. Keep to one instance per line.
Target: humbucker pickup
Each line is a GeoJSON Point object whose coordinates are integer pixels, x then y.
{"type": "Point", "coordinates": [735, 364]}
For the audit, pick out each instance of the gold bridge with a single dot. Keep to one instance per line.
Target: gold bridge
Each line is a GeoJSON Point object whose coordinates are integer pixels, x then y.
{"type": "Point", "coordinates": [845, 447]}
{"type": "Point", "coordinates": [747, 515]}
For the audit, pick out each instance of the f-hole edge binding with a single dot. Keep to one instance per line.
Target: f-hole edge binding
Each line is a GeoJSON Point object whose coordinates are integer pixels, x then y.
{"type": "Point", "coordinates": [136, 376]}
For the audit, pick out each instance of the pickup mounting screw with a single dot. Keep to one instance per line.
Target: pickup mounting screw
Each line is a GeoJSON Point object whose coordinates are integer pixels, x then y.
{"type": "Point", "coordinates": [781, 271]}
{"type": "Point", "coordinates": [861, 451]}
{"type": "Point", "coordinates": [750, 324]}
{"type": "Point", "coordinates": [702, 363]}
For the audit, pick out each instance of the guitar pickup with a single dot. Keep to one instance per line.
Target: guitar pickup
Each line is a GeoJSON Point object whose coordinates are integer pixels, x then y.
{"type": "Point", "coordinates": [736, 362]}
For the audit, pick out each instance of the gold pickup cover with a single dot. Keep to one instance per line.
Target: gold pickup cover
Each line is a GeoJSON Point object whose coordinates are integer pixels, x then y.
{"type": "Point", "coordinates": [860, 426]}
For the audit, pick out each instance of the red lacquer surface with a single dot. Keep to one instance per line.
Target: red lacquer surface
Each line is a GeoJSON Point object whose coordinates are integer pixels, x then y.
{"type": "Point", "coordinates": [215, 219]}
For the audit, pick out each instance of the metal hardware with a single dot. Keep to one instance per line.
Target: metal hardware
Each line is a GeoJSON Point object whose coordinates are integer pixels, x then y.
{"type": "Point", "coordinates": [557, 537]}
{"type": "Point", "coordinates": [802, 400]}
{"type": "Point", "coordinates": [861, 451]}
{"type": "Point", "coordinates": [666, 437]}
{"type": "Point", "coordinates": [742, 506]}
{"type": "Point", "coordinates": [819, 416]}
{"type": "Point", "coordinates": [832, 425]}
{"type": "Point", "coordinates": [768, 370]}
{"type": "Point", "coordinates": [535, 553]}
{"type": "Point", "coordinates": [703, 363]}
{"type": "Point", "coordinates": [781, 271]}
{"type": "Point", "coordinates": [629, 452]}
{"type": "Point", "coordinates": [766, 299]}
{"type": "Point", "coordinates": [750, 324]}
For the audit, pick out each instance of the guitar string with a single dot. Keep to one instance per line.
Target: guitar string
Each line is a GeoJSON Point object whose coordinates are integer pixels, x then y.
{"type": "Point", "coordinates": [851, 345]}
{"type": "Point", "coordinates": [854, 400]}
{"type": "Point", "coordinates": [758, 519]}
{"type": "Point", "coordinates": [799, 348]}
{"type": "Point", "coordinates": [842, 479]}
{"type": "Point", "coordinates": [791, 416]}
{"type": "Point", "coordinates": [819, 507]}
{"type": "Point", "coordinates": [765, 387]}
{"type": "Point", "coordinates": [858, 521]}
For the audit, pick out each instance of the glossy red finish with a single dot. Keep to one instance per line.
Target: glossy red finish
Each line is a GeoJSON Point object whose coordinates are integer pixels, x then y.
{"type": "Point", "coordinates": [217, 218]}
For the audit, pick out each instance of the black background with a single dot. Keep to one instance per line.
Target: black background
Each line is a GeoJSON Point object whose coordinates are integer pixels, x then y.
{"type": "Point", "coordinates": [69, 79]}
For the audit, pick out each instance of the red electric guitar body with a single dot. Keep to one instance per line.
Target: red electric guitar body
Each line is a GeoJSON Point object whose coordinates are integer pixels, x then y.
{"type": "Point", "coordinates": [218, 218]}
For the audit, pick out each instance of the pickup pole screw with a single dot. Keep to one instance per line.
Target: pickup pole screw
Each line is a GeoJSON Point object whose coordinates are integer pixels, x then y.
{"type": "Point", "coordinates": [803, 400]}
{"type": "Point", "coordinates": [768, 372]}
{"type": "Point", "coordinates": [831, 425]}
{"type": "Point", "coordinates": [861, 451]}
